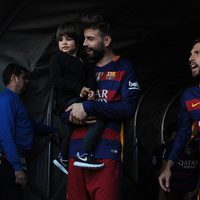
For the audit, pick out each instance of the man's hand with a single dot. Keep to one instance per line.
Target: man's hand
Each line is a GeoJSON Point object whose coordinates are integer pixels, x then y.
{"type": "Point", "coordinates": [20, 178]}
{"type": "Point", "coordinates": [165, 176]}
{"type": "Point", "coordinates": [77, 113]}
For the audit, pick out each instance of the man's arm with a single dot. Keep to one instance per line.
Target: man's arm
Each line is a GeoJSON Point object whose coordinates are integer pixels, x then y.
{"type": "Point", "coordinates": [165, 176]}
{"type": "Point", "coordinates": [182, 135]}
{"type": "Point", "coordinates": [184, 131]}
{"type": "Point", "coordinates": [122, 109]}
{"type": "Point", "coordinates": [7, 142]}
{"type": "Point", "coordinates": [7, 133]}
{"type": "Point", "coordinates": [112, 110]}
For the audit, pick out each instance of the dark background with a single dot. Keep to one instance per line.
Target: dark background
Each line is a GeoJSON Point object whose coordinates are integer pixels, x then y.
{"type": "Point", "coordinates": [157, 35]}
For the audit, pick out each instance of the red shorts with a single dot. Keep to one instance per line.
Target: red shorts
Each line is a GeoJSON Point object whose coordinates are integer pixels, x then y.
{"type": "Point", "coordinates": [102, 184]}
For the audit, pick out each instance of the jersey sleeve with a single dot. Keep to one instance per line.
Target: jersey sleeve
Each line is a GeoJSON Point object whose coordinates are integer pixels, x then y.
{"type": "Point", "coordinates": [183, 133]}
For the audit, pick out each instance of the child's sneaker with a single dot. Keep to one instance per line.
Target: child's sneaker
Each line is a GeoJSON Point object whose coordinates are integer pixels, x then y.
{"type": "Point", "coordinates": [87, 161]}
{"type": "Point", "coordinates": [61, 164]}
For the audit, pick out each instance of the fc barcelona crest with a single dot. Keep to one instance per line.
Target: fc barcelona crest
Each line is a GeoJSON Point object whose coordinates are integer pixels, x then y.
{"type": "Point", "coordinates": [110, 75]}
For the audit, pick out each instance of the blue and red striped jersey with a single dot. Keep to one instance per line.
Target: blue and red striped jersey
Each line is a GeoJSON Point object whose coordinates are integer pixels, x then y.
{"type": "Point", "coordinates": [116, 100]}
{"type": "Point", "coordinates": [189, 116]}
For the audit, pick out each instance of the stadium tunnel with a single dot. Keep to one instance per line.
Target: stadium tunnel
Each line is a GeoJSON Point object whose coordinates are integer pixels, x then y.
{"type": "Point", "coordinates": [156, 35]}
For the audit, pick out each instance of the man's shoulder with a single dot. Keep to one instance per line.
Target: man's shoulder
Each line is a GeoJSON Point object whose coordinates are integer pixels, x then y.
{"type": "Point", "coordinates": [5, 96]}
{"type": "Point", "coordinates": [124, 61]}
{"type": "Point", "coordinates": [191, 91]}
{"type": "Point", "coordinates": [125, 64]}
{"type": "Point", "coordinates": [190, 94]}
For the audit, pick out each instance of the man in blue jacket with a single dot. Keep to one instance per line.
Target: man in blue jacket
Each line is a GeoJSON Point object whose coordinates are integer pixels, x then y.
{"type": "Point", "coordinates": [16, 133]}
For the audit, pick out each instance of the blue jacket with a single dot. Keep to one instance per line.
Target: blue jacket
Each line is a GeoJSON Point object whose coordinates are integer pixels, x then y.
{"type": "Point", "coordinates": [16, 131]}
{"type": "Point", "coordinates": [16, 128]}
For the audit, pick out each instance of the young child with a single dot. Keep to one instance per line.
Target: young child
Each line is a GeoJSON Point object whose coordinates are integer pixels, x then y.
{"type": "Point", "coordinates": [74, 81]}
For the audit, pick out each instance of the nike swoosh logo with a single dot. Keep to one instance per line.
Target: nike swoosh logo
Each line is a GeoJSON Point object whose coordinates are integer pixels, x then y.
{"type": "Point", "coordinates": [83, 159]}
{"type": "Point", "coordinates": [195, 104]}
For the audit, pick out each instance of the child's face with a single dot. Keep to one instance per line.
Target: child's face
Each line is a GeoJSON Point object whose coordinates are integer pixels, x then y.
{"type": "Point", "coordinates": [67, 45]}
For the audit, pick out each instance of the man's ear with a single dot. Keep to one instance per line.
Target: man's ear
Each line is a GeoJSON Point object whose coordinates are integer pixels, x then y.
{"type": "Point", "coordinates": [107, 40]}
{"type": "Point", "coordinates": [13, 78]}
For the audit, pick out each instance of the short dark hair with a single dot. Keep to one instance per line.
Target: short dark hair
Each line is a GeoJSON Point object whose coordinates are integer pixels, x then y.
{"type": "Point", "coordinates": [70, 29]}
{"type": "Point", "coordinates": [97, 21]}
{"type": "Point", "coordinates": [10, 69]}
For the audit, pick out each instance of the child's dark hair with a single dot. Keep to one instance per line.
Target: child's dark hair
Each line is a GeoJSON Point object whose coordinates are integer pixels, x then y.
{"type": "Point", "coordinates": [70, 29]}
{"type": "Point", "coordinates": [10, 69]}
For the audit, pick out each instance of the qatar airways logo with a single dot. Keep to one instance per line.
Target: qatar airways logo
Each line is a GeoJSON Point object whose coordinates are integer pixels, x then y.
{"type": "Point", "coordinates": [102, 95]}
{"type": "Point", "coordinates": [189, 164]}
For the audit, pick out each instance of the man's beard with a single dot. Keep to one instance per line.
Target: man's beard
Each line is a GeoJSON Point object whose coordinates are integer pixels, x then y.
{"type": "Point", "coordinates": [96, 55]}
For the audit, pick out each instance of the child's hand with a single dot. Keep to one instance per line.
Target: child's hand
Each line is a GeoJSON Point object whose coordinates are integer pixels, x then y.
{"type": "Point", "coordinates": [84, 92]}
{"type": "Point", "coordinates": [91, 95]}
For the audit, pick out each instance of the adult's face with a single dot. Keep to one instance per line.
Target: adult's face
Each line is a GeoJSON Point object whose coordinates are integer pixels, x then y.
{"type": "Point", "coordinates": [94, 44]}
{"type": "Point", "coordinates": [21, 82]}
{"type": "Point", "coordinates": [195, 60]}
